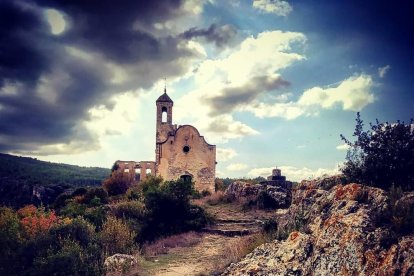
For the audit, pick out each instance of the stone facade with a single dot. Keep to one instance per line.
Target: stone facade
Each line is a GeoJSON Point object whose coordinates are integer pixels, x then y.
{"type": "Point", "coordinates": [137, 170]}
{"type": "Point", "coordinates": [180, 152]}
{"type": "Point", "coordinates": [277, 179]}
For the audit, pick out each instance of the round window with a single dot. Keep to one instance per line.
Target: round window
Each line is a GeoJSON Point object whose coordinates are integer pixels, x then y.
{"type": "Point", "coordinates": [186, 149]}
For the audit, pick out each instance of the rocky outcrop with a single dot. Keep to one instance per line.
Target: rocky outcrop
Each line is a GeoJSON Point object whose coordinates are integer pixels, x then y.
{"type": "Point", "coordinates": [347, 233]}
{"type": "Point", "coordinates": [243, 191]}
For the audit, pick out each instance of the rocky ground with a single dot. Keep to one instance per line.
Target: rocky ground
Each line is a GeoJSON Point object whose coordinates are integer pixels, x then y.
{"type": "Point", "coordinates": [330, 228]}
{"type": "Point", "coordinates": [343, 231]}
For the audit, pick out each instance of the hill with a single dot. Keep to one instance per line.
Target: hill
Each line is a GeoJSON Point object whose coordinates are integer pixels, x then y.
{"type": "Point", "coordinates": [27, 180]}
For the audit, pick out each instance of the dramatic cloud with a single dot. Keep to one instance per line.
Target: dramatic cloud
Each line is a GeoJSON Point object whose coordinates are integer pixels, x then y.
{"type": "Point", "coordinates": [233, 97]}
{"type": "Point", "coordinates": [224, 154]}
{"type": "Point", "coordinates": [294, 173]}
{"type": "Point", "coordinates": [278, 7]}
{"type": "Point", "coordinates": [237, 80]}
{"type": "Point", "coordinates": [351, 94]}
{"type": "Point", "coordinates": [221, 36]}
{"type": "Point", "coordinates": [382, 71]}
{"type": "Point", "coordinates": [236, 167]}
{"type": "Point", "coordinates": [62, 61]}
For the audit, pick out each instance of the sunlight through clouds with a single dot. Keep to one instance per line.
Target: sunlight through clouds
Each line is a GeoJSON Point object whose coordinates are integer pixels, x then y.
{"type": "Point", "coordinates": [56, 21]}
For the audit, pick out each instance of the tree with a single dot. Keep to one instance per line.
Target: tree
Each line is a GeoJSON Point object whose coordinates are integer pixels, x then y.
{"type": "Point", "coordinates": [381, 156]}
{"type": "Point", "coordinates": [118, 183]}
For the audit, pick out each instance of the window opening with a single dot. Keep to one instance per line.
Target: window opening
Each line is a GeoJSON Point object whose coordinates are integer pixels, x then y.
{"type": "Point", "coordinates": [164, 115]}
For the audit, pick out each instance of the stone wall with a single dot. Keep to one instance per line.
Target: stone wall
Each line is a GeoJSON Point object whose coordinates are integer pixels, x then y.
{"type": "Point", "coordinates": [137, 167]}
{"type": "Point", "coordinates": [187, 153]}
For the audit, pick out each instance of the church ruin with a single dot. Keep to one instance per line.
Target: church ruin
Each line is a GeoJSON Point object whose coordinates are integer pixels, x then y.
{"type": "Point", "coordinates": [180, 152]}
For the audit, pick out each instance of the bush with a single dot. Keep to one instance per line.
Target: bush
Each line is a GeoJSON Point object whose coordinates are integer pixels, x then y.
{"type": "Point", "coordinates": [168, 209]}
{"type": "Point", "coordinates": [118, 183]}
{"type": "Point", "coordinates": [61, 201]}
{"type": "Point", "coordinates": [11, 239]}
{"type": "Point", "coordinates": [382, 156]}
{"type": "Point", "coordinates": [36, 221]}
{"type": "Point", "coordinates": [79, 192]}
{"type": "Point", "coordinates": [98, 195]}
{"type": "Point", "coordinates": [78, 230]}
{"type": "Point", "coordinates": [69, 257]}
{"type": "Point", "coordinates": [116, 237]}
{"type": "Point", "coordinates": [129, 210]}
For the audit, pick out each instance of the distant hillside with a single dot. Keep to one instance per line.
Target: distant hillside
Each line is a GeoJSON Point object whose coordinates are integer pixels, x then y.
{"type": "Point", "coordinates": [20, 176]}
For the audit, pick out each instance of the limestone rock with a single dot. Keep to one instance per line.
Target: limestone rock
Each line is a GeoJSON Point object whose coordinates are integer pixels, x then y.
{"type": "Point", "coordinates": [246, 191]}
{"type": "Point", "coordinates": [344, 236]}
{"type": "Point", "coordinates": [120, 262]}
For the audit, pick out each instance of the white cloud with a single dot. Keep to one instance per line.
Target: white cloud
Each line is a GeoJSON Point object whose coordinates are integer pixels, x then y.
{"type": "Point", "coordinates": [352, 94]}
{"type": "Point", "coordinates": [342, 147]}
{"type": "Point", "coordinates": [382, 71]}
{"type": "Point", "coordinates": [236, 167]}
{"type": "Point", "coordinates": [288, 111]}
{"type": "Point", "coordinates": [278, 7]}
{"type": "Point", "coordinates": [264, 172]}
{"type": "Point", "coordinates": [225, 154]}
{"type": "Point", "coordinates": [294, 173]}
{"type": "Point", "coordinates": [263, 55]}
{"type": "Point", "coordinates": [119, 120]}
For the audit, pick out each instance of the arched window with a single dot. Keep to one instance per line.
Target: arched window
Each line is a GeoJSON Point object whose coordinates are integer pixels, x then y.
{"type": "Point", "coordinates": [164, 114]}
{"type": "Point", "coordinates": [148, 171]}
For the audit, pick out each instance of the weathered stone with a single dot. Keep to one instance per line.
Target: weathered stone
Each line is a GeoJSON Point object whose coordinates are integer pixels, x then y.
{"type": "Point", "coordinates": [246, 191]}
{"type": "Point", "coordinates": [344, 236]}
{"type": "Point", "coordinates": [180, 152]}
{"type": "Point", "coordinates": [120, 262]}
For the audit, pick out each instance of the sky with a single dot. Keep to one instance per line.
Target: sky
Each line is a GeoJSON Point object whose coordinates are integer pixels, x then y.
{"type": "Point", "coordinates": [272, 83]}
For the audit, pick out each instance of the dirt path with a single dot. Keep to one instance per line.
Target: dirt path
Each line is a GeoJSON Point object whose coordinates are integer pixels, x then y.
{"type": "Point", "coordinates": [212, 252]}
{"type": "Point", "coordinates": [204, 258]}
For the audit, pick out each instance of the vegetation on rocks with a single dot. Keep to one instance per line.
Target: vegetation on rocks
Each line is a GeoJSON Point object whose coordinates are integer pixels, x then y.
{"type": "Point", "coordinates": [382, 156]}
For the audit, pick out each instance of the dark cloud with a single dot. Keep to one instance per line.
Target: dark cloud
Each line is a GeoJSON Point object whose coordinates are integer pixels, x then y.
{"type": "Point", "coordinates": [46, 90]}
{"type": "Point", "coordinates": [221, 36]}
{"type": "Point", "coordinates": [233, 97]}
{"type": "Point", "coordinates": [24, 51]}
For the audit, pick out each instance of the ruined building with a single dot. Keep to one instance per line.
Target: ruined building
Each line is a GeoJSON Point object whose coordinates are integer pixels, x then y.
{"type": "Point", "coordinates": [180, 152]}
{"type": "Point", "coordinates": [277, 179]}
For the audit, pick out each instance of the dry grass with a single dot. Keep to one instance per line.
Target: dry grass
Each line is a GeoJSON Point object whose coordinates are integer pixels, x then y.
{"type": "Point", "coordinates": [237, 249]}
{"type": "Point", "coordinates": [162, 246]}
{"type": "Point", "coordinates": [214, 199]}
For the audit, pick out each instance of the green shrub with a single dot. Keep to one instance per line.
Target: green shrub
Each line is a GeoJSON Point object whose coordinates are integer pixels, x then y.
{"type": "Point", "coordinates": [69, 259]}
{"type": "Point", "coordinates": [61, 201]}
{"type": "Point", "coordinates": [134, 192]}
{"type": "Point", "coordinates": [79, 192]}
{"type": "Point", "coordinates": [129, 210]}
{"type": "Point", "coordinates": [93, 194]}
{"type": "Point", "coordinates": [168, 209]}
{"type": "Point", "coordinates": [116, 237]}
{"type": "Point", "coordinates": [11, 239]}
{"type": "Point", "coordinates": [78, 230]}
{"type": "Point", "coordinates": [382, 156]}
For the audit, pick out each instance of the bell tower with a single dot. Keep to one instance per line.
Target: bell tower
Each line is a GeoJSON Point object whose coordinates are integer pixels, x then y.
{"type": "Point", "coordinates": [164, 117]}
